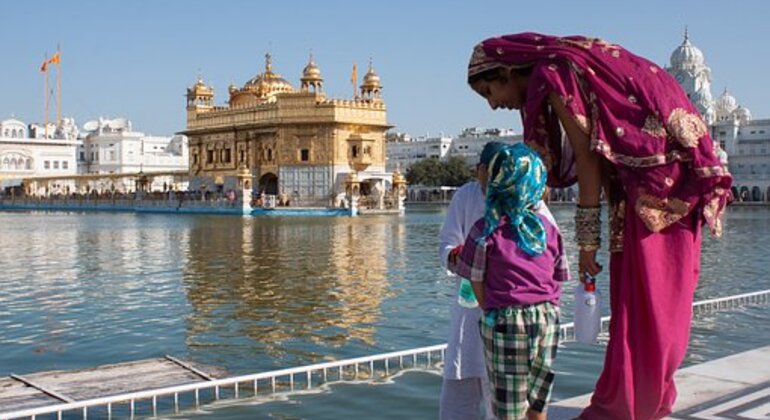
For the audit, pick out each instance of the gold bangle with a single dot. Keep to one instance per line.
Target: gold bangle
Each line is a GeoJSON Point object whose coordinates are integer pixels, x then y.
{"type": "Point", "coordinates": [588, 228]}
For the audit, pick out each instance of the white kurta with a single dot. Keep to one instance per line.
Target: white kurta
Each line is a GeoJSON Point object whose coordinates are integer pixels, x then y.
{"type": "Point", "coordinates": [465, 352]}
{"type": "Point", "coordinates": [464, 356]}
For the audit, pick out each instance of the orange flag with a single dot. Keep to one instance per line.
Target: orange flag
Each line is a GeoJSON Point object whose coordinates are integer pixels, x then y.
{"type": "Point", "coordinates": [55, 59]}
{"type": "Point", "coordinates": [354, 78]}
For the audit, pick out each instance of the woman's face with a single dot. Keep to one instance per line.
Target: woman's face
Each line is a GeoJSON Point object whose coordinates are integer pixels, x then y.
{"type": "Point", "coordinates": [504, 92]}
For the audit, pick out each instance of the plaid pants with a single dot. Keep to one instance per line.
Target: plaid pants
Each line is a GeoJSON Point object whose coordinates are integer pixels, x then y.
{"type": "Point", "coordinates": [520, 345]}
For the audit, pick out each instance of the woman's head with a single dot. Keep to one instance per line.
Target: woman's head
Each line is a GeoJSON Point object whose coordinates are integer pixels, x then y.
{"type": "Point", "coordinates": [502, 86]}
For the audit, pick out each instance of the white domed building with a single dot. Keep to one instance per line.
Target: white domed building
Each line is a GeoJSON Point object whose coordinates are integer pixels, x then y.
{"type": "Point", "coordinates": [31, 150]}
{"type": "Point", "coordinates": [689, 68]}
{"type": "Point", "coordinates": [112, 146]}
{"type": "Point", "coordinates": [743, 143]}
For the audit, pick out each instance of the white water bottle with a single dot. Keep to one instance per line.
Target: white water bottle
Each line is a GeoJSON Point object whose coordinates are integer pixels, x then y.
{"type": "Point", "coordinates": [465, 296]}
{"type": "Point", "coordinates": [588, 314]}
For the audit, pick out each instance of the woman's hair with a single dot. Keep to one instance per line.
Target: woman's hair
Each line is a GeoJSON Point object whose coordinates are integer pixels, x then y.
{"type": "Point", "coordinates": [500, 73]}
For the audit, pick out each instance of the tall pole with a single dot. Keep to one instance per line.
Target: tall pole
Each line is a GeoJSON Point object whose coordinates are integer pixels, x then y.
{"type": "Point", "coordinates": [58, 86]}
{"type": "Point", "coordinates": [45, 75]}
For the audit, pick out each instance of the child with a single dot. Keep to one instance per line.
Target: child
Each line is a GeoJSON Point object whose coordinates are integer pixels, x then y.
{"type": "Point", "coordinates": [515, 260]}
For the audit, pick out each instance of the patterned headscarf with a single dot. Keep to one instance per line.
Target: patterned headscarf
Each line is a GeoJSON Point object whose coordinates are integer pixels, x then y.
{"type": "Point", "coordinates": [635, 114]}
{"type": "Point", "coordinates": [516, 185]}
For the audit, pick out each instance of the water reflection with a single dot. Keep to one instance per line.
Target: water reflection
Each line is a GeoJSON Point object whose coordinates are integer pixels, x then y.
{"type": "Point", "coordinates": [251, 294]}
{"type": "Point", "coordinates": [278, 285]}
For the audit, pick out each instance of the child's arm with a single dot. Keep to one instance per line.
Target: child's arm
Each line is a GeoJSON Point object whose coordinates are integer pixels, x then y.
{"type": "Point", "coordinates": [465, 263]}
{"type": "Point", "coordinates": [478, 290]}
{"type": "Point", "coordinates": [451, 235]}
{"type": "Point", "coordinates": [472, 260]}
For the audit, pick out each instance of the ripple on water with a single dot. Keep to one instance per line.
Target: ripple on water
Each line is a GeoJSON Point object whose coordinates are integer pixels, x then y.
{"type": "Point", "coordinates": [251, 294]}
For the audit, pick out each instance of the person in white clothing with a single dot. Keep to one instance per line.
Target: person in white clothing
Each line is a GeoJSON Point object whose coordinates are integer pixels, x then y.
{"type": "Point", "coordinates": [465, 390]}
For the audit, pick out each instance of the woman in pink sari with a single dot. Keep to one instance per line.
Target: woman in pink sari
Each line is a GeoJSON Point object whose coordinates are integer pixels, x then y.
{"type": "Point", "coordinates": [633, 132]}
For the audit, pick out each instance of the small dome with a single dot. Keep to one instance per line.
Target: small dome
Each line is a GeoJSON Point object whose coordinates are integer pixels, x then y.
{"type": "Point", "coordinates": [686, 55]}
{"type": "Point", "coordinates": [232, 88]}
{"type": "Point", "coordinates": [742, 114]}
{"type": "Point", "coordinates": [726, 103]}
{"type": "Point", "coordinates": [371, 79]}
{"type": "Point", "coordinates": [311, 72]}
{"type": "Point", "coordinates": [200, 88]}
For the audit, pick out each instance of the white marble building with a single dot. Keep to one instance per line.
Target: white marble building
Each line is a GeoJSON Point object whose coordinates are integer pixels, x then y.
{"type": "Point", "coordinates": [404, 151]}
{"type": "Point", "coordinates": [471, 141]}
{"type": "Point", "coordinates": [112, 146]}
{"type": "Point", "coordinates": [27, 150]}
{"type": "Point", "coordinates": [744, 142]}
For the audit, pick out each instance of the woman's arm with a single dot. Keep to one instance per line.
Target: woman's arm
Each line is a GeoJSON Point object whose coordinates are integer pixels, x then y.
{"type": "Point", "coordinates": [589, 174]}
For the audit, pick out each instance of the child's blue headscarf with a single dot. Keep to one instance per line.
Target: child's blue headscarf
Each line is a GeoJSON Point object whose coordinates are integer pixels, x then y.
{"type": "Point", "coordinates": [515, 186]}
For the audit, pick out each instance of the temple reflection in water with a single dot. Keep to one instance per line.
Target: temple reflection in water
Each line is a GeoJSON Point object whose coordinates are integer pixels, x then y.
{"type": "Point", "coordinates": [286, 286]}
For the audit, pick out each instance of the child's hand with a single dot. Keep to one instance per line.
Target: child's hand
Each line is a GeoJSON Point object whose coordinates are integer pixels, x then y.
{"type": "Point", "coordinates": [454, 253]}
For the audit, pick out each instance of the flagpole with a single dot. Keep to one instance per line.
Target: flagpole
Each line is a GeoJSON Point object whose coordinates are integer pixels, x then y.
{"type": "Point", "coordinates": [45, 75]}
{"type": "Point", "coordinates": [58, 85]}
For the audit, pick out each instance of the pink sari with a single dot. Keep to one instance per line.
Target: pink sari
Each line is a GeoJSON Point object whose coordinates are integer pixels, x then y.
{"type": "Point", "coordinates": [668, 181]}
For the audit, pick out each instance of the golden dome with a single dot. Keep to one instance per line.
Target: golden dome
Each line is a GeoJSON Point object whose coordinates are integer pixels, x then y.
{"type": "Point", "coordinates": [311, 72]}
{"type": "Point", "coordinates": [200, 88]}
{"type": "Point", "coordinates": [268, 83]}
{"type": "Point", "coordinates": [371, 79]}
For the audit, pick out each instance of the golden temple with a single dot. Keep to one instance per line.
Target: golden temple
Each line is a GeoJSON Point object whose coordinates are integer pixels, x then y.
{"type": "Point", "coordinates": [295, 144]}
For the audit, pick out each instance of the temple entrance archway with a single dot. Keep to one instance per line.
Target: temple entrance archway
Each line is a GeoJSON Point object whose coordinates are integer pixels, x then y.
{"type": "Point", "coordinates": [268, 184]}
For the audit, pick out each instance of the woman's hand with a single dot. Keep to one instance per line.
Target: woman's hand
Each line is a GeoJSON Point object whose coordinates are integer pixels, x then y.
{"type": "Point", "coordinates": [587, 264]}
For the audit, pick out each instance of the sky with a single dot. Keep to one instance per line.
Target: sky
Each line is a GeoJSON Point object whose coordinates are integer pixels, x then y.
{"type": "Point", "coordinates": [135, 59]}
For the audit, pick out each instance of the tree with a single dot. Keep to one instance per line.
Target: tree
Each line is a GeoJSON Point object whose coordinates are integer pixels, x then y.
{"type": "Point", "coordinates": [456, 172]}
{"type": "Point", "coordinates": [432, 172]}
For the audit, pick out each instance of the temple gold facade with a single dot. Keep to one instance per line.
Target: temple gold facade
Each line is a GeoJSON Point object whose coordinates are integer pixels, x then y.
{"type": "Point", "coordinates": [298, 145]}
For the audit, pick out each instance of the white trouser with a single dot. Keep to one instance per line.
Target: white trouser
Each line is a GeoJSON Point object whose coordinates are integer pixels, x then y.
{"type": "Point", "coordinates": [465, 399]}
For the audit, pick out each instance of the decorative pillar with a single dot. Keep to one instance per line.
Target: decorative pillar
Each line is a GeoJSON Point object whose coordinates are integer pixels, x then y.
{"type": "Point", "coordinates": [399, 191]}
{"type": "Point", "coordinates": [244, 184]}
{"type": "Point", "coordinates": [352, 192]}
